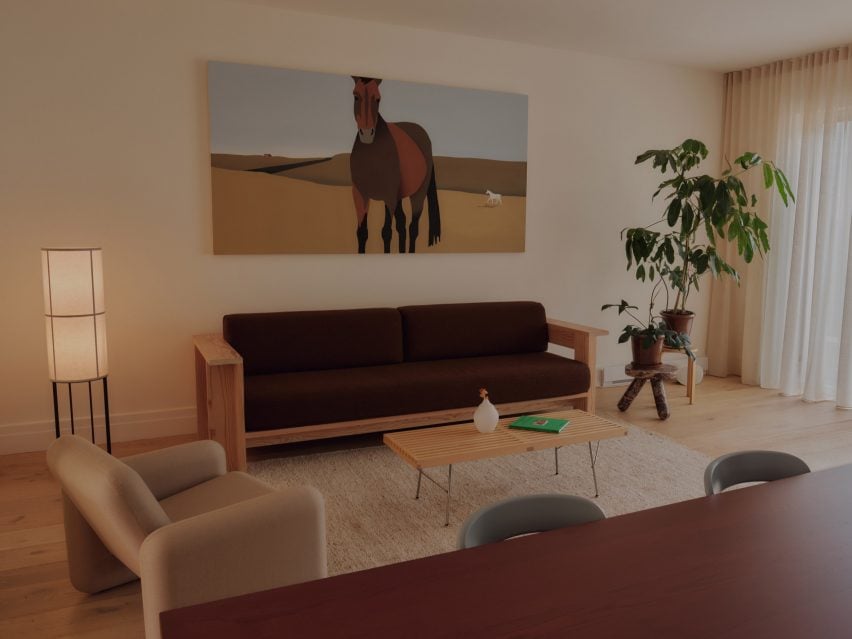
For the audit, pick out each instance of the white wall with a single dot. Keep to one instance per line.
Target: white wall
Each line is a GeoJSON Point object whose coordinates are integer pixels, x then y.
{"type": "Point", "coordinates": [103, 141]}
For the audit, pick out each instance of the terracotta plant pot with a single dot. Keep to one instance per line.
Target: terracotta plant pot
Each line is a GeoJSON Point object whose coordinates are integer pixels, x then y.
{"type": "Point", "coordinates": [646, 357]}
{"type": "Point", "coordinates": [679, 321]}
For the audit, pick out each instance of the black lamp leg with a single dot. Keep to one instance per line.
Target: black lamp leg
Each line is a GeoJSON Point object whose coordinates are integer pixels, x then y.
{"type": "Point", "coordinates": [71, 407]}
{"type": "Point", "coordinates": [106, 416]}
{"type": "Point", "coordinates": [91, 412]}
{"type": "Point", "coordinates": [55, 410]}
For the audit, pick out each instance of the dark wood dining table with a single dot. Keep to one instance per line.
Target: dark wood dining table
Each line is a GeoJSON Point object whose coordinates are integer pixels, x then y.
{"type": "Point", "coordinates": [769, 561]}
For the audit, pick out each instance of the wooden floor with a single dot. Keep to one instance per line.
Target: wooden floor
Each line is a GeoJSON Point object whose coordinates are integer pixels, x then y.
{"type": "Point", "coordinates": [728, 416]}
{"type": "Point", "coordinates": [37, 601]}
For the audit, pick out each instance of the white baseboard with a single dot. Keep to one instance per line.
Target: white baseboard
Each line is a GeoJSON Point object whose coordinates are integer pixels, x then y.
{"type": "Point", "coordinates": [614, 376]}
{"type": "Point", "coordinates": [34, 436]}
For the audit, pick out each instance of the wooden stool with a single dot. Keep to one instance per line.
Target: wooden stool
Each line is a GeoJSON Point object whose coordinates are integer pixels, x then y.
{"type": "Point", "coordinates": [690, 371]}
{"type": "Point", "coordinates": [640, 375]}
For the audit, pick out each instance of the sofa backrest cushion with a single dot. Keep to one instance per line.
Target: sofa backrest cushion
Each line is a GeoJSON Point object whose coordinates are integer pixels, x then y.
{"type": "Point", "coordinates": [448, 331]}
{"type": "Point", "coordinates": [315, 340]}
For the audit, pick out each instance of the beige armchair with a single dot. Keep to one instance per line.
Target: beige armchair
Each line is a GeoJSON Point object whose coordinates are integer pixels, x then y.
{"type": "Point", "coordinates": [192, 531]}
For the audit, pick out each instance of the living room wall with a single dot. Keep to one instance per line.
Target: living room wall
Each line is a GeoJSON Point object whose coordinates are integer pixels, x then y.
{"type": "Point", "coordinates": [104, 120]}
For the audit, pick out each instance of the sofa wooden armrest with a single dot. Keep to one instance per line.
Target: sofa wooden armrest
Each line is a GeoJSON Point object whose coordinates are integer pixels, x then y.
{"type": "Point", "coordinates": [215, 350]}
{"type": "Point", "coordinates": [220, 396]}
{"type": "Point", "coordinates": [584, 341]}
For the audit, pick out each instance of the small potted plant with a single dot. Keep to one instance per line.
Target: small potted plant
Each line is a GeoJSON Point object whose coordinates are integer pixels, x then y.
{"type": "Point", "coordinates": [647, 337]}
{"type": "Point", "coordinates": [701, 211]}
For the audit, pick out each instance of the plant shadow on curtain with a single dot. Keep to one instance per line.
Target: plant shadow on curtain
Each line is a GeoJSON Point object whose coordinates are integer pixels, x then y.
{"type": "Point", "coordinates": [789, 325]}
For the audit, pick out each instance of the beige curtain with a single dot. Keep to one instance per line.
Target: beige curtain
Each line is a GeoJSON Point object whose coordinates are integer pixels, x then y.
{"type": "Point", "coordinates": [771, 330]}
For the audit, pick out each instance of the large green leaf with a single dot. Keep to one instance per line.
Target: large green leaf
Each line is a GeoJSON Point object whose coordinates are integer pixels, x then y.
{"type": "Point", "coordinates": [721, 211]}
{"type": "Point", "coordinates": [768, 177]}
{"type": "Point", "coordinates": [784, 189]}
{"type": "Point", "coordinates": [647, 155]}
{"type": "Point", "coordinates": [670, 257]}
{"type": "Point", "coordinates": [709, 231]}
{"type": "Point", "coordinates": [688, 218]}
{"type": "Point", "coordinates": [673, 212]}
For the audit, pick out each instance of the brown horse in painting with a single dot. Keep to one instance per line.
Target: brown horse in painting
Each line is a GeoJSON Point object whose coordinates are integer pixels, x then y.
{"type": "Point", "coordinates": [391, 161]}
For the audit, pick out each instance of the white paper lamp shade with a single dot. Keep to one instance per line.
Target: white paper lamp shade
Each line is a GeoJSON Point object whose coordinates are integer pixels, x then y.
{"type": "Point", "coordinates": [75, 320]}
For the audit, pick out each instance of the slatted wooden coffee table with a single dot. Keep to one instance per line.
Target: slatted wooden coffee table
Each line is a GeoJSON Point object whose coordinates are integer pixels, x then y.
{"type": "Point", "coordinates": [447, 445]}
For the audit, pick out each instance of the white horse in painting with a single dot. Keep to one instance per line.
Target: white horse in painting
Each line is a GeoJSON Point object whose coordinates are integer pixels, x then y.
{"type": "Point", "coordinates": [494, 199]}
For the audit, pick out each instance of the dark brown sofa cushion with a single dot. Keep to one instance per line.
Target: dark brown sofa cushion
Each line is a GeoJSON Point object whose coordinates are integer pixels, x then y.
{"type": "Point", "coordinates": [315, 340]}
{"type": "Point", "coordinates": [318, 397]}
{"type": "Point", "coordinates": [445, 331]}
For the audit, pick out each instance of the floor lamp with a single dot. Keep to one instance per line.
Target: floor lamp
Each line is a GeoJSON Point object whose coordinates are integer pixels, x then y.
{"type": "Point", "coordinates": [75, 323]}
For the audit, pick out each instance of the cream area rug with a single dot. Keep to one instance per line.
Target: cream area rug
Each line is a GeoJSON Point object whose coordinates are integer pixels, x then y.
{"type": "Point", "coordinates": [373, 518]}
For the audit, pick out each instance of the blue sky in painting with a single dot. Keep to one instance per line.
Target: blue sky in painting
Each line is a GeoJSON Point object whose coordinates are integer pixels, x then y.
{"type": "Point", "coordinates": [257, 110]}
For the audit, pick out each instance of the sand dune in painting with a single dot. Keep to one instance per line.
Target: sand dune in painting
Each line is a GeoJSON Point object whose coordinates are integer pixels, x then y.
{"type": "Point", "coordinates": [259, 213]}
{"type": "Point", "coordinates": [471, 175]}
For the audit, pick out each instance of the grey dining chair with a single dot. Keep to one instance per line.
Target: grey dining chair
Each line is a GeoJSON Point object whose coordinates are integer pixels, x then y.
{"type": "Point", "coordinates": [528, 514]}
{"type": "Point", "coordinates": [750, 466]}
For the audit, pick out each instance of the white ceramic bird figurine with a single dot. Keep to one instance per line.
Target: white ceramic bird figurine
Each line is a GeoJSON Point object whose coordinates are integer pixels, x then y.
{"type": "Point", "coordinates": [486, 416]}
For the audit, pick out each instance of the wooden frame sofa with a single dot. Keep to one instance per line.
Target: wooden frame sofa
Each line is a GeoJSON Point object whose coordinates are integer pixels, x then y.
{"type": "Point", "coordinates": [494, 343]}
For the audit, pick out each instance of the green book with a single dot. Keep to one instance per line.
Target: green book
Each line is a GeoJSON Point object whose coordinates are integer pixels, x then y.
{"type": "Point", "coordinates": [537, 422]}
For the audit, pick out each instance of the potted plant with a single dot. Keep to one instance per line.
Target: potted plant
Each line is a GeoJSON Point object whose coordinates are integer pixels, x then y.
{"type": "Point", "coordinates": [719, 208]}
{"type": "Point", "coordinates": [648, 336]}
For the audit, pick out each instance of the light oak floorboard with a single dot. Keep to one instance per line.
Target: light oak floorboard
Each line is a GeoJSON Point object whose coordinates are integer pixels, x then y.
{"type": "Point", "coordinates": [728, 416]}
{"type": "Point", "coordinates": [37, 601]}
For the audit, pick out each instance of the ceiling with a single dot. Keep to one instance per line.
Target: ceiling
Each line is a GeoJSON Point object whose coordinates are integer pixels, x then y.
{"type": "Point", "coordinates": [721, 35]}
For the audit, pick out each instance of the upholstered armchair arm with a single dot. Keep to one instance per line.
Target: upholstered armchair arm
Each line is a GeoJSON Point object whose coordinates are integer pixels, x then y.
{"type": "Point", "coordinates": [172, 470]}
{"type": "Point", "coordinates": [219, 396]}
{"type": "Point", "coordinates": [266, 542]}
{"type": "Point", "coordinates": [584, 341]}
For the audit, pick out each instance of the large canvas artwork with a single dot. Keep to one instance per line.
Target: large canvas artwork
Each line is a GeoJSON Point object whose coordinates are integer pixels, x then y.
{"type": "Point", "coordinates": [306, 162]}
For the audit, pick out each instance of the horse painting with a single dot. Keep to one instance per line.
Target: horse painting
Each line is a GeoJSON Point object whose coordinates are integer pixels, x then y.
{"type": "Point", "coordinates": [391, 161]}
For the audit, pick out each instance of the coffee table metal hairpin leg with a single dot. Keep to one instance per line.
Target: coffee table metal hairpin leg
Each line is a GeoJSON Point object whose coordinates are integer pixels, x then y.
{"type": "Point", "coordinates": [593, 459]}
{"type": "Point", "coordinates": [448, 489]}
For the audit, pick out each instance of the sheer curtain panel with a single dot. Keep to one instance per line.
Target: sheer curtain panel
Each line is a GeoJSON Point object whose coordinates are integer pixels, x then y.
{"type": "Point", "coordinates": [789, 326]}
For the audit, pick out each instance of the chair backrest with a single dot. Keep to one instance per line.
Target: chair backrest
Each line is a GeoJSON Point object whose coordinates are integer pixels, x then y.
{"type": "Point", "coordinates": [528, 514]}
{"type": "Point", "coordinates": [111, 496]}
{"type": "Point", "coordinates": [750, 466]}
